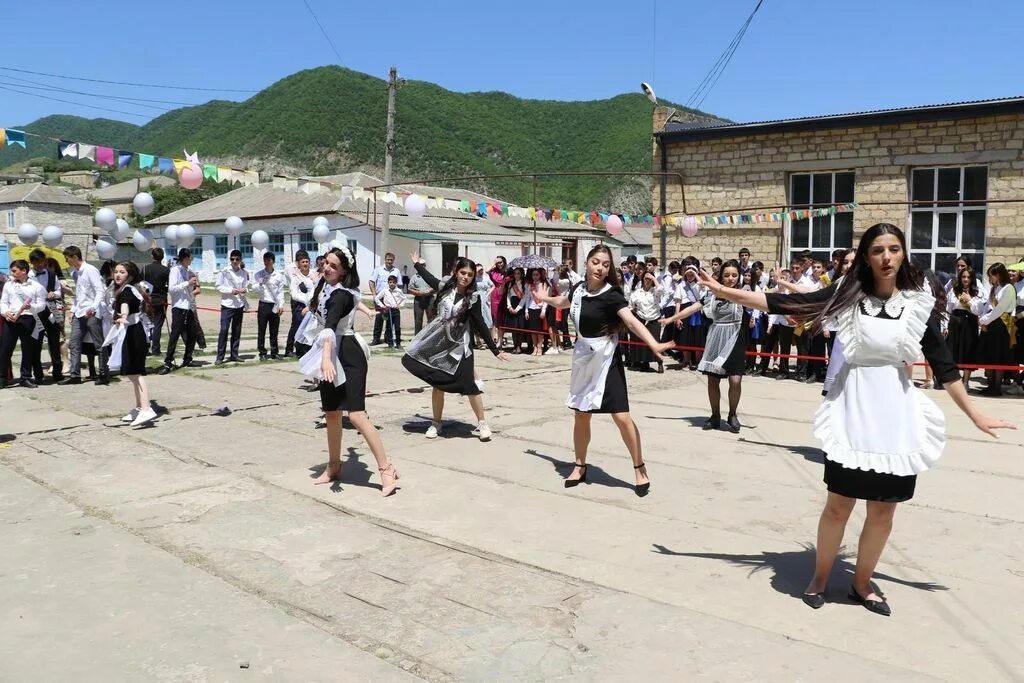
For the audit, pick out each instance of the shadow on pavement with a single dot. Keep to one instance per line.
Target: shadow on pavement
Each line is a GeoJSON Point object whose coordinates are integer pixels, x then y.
{"type": "Point", "coordinates": [809, 453]}
{"type": "Point", "coordinates": [353, 471]}
{"type": "Point", "coordinates": [595, 475]}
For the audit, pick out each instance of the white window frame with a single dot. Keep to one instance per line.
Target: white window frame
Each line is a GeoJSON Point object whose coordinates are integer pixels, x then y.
{"type": "Point", "coordinates": [793, 249]}
{"type": "Point", "coordinates": [10, 220]}
{"type": "Point", "coordinates": [936, 209]}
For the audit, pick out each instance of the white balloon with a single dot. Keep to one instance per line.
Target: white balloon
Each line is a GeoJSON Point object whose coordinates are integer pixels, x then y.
{"type": "Point", "coordinates": [142, 239]}
{"type": "Point", "coordinates": [28, 234]}
{"type": "Point", "coordinates": [171, 235]}
{"type": "Point", "coordinates": [320, 220]}
{"type": "Point", "coordinates": [52, 235]}
{"type": "Point", "coordinates": [415, 206]}
{"type": "Point", "coordinates": [186, 234]}
{"type": "Point", "coordinates": [121, 229]}
{"type": "Point", "coordinates": [143, 203]}
{"type": "Point", "coordinates": [260, 239]}
{"type": "Point", "coordinates": [234, 225]}
{"type": "Point", "coordinates": [106, 247]}
{"type": "Point", "coordinates": [105, 218]}
{"type": "Point", "coordinates": [321, 233]}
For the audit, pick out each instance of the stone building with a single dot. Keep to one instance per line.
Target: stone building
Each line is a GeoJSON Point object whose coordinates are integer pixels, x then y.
{"type": "Point", "coordinates": [952, 174]}
{"type": "Point", "coordinates": [43, 205]}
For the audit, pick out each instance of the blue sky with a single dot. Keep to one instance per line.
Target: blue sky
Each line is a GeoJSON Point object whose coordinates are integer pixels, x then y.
{"type": "Point", "coordinates": [798, 57]}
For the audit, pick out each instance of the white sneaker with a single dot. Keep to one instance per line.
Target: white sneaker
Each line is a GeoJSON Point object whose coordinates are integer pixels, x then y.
{"type": "Point", "coordinates": [130, 417]}
{"type": "Point", "coordinates": [485, 432]}
{"type": "Point", "coordinates": [145, 417]}
{"type": "Point", "coordinates": [553, 351]}
{"type": "Point", "coordinates": [433, 430]}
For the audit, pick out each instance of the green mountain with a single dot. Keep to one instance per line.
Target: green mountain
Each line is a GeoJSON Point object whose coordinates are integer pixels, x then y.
{"type": "Point", "coordinates": [331, 120]}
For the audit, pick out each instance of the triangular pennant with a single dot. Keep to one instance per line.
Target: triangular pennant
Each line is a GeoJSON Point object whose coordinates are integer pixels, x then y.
{"type": "Point", "coordinates": [166, 165]}
{"type": "Point", "coordinates": [67, 149]}
{"type": "Point", "coordinates": [3, 137]}
{"type": "Point", "coordinates": [86, 151]}
{"type": "Point", "coordinates": [124, 158]}
{"type": "Point", "coordinates": [146, 161]}
{"type": "Point", "coordinates": [209, 171]}
{"type": "Point", "coordinates": [105, 156]}
{"type": "Point", "coordinates": [14, 137]}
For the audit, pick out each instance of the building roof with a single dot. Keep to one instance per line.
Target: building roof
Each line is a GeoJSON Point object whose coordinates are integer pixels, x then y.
{"type": "Point", "coordinates": [254, 201]}
{"type": "Point", "coordinates": [38, 193]}
{"type": "Point", "coordinates": [932, 112]}
{"type": "Point", "coordinates": [638, 235]}
{"type": "Point", "coordinates": [127, 190]}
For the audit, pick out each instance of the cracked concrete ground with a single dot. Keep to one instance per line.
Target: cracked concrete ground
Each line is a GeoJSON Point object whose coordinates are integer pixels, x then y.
{"type": "Point", "coordinates": [198, 549]}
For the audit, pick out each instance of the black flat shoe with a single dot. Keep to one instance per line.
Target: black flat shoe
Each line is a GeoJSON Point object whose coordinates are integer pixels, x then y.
{"type": "Point", "coordinates": [877, 606]}
{"type": "Point", "coordinates": [712, 423]}
{"type": "Point", "coordinates": [569, 483]}
{"type": "Point", "coordinates": [734, 424]}
{"type": "Point", "coordinates": [69, 380]}
{"type": "Point", "coordinates": [814, 600]}
{"type": "Point", "coordinates": [642, 489]}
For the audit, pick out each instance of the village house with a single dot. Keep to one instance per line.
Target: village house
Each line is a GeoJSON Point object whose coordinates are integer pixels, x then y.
{"type": "Point", "coordinates": [42, 205]}
{"type": "Point", "coordinates": [952, 175]}
{"type": "Point", "coordinates": [119, 195]}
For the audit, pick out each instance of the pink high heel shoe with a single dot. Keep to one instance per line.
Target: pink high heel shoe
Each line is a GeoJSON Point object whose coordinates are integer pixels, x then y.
{"type": "Point", "coordinates": [388, 480]}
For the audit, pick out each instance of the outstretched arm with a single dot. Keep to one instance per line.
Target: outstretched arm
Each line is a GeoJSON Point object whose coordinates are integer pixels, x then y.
{"type": "Point", "coordinates": [641, 331]}
{"type": "Point", "coordinates": [543, 294]}
{"type": "Point", "coordinates": [683, 314]}
{"type": "Point", "coordinates": [738, 296]}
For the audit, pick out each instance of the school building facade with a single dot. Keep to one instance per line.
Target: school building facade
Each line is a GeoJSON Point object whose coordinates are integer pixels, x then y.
{"type": "Point", "coordinates": [951, 175]}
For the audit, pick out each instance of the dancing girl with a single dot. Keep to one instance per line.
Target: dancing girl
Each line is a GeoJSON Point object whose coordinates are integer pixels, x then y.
{"type": "Point", "coordinates": [598, 381]}
{"type": "Point", "coordinates": [877, 429]}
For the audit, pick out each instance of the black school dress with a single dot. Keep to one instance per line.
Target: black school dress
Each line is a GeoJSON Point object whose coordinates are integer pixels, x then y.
{"type": "Point", "coordinates": [442, 335]}
{"type": "Point", "coordinates": [597, 315]}
{"type": "Point", "coordinates": [351, 395]}
{"type": "Point", "coordinates": [135, 347]}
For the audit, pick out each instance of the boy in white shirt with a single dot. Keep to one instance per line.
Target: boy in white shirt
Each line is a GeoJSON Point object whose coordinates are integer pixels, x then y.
{"type": "Point", "coordinates": [388, 301]}
{"type": "Point", "coordinates": [232, 283]}
{"type": "Point", "coordinates": [270, 284]}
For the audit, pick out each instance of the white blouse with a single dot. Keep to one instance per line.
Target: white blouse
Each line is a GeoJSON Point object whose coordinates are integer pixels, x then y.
{"type": "Point", "coordinates": [1005, 302]}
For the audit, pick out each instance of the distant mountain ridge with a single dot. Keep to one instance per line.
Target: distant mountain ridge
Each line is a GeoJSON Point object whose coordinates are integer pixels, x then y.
{"type": "Point", "coordinates": [330, 120]}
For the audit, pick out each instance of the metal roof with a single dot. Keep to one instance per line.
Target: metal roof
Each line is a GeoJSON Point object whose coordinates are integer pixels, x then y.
{"type": "Point", "coordinates": [38, 193]}
{"type": "Point", "coordinates": [127, 190]}
{"type": "Point", "coordinates": [254, 201]}
{"type": "Point", "coordinates": [929, 112]}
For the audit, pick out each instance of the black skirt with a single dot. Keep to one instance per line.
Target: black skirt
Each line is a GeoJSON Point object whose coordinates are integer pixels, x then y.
{"type": "Point", "coordinates": [134, 350]}
{"type": "Point", "coordinates": [535, 321]}
{"type": "Point", "coordinates": [350, 396]}
{"type": "Point", "coordinates": [461, 382]}
{"type": "Point", "coordinates": [693, 332]}
{"type": "Point", "coordinates": [962, 338]}
{"type": "Point", "coordinates": [994, 345]}
{"type": "Point", "coordinates": [637, 351]}
{"type": "Point", "coordinates": [867, 484]}
{"type": "Point", "coordinates": [515, 320]}
{"type": "Point", "coordinates": [616, 396]}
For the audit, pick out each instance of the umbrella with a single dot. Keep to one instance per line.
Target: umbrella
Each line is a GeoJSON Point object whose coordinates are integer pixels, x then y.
{"type": "Point", "coordinates": [22, 251]}
{"type": "Point", "coordinates": [533, 261]}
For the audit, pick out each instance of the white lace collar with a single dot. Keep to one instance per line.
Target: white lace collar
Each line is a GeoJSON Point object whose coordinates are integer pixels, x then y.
{"type": "Point", "coordinates": [893, 306]}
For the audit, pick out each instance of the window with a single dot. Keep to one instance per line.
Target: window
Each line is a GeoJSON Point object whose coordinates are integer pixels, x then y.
{"type": "Point", "coordinates": [10, 219]}
{"type": "Point", "coordinates": [308, 244]}
{"type": "Point", "coordinates": [352, 246]}
{"type": "Point", "coordinates": [541, 250]}
{"type": "Point", "coordinates": [276, 246]}
{"type": "Point", "coordinates": [245, 246]}
{"type": "Point", "coordinates": [947, 217]}
{"type": "Point", "coordinates": [220, 251]}
{"type": "Point", "coordinates": [821, 234]}
{"type": "Point", "coordinates": [197, 250]}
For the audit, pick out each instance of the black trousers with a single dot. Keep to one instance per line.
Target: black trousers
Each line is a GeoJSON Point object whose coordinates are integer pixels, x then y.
{"type": "Point", "coordinates": [182, 327]}
{"type": "Point", "coordinates": [783, 336]}
{"type": "Point", "coordinates": [297, 307]}
{"type": "Point", "coordinates": [159, 317]}
{"type": "Point", "coordinates": [803, 348]}
{"type": "Point", "coordinates": [51, 334]}
{"type": "Point", "coordinates": [392, 325]}
{"type": "Point", "coordinates": [229, 318]}
{"type": "Point", "coordinates": [265, 316]}
{"type": "Point", "coordinates": [816, 368]}
{"type": "Point", "coordinates": [13, 333]}
{"type": "Point", "coordinates": [419, 312]}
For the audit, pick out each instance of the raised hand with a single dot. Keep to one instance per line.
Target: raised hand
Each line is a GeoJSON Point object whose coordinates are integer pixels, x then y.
{"type": "Point", "coordinates": [542, 291]}
{"type": "Point", "coordinates": [414, 257]}
{"type": "Point", "coordinates": [705, 279]}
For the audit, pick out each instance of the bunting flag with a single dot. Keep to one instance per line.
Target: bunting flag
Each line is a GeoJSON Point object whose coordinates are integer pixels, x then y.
{"type": "Point", "coordinates": [223, 174]}
{"type": "Point", "coordinates": [87, 151]}
{"type": "Point", "coordinates": [166, 165]}
{"type": "Point", "coordinates": [3, 137]}
{"type": "Point", "coordinates": [146, 161]}
{"type": "Point", "coordinates": [124, 158]}
{"type": "Point", "coordinates": [210, 172]}
{"type": "Point", "coordinates": [179, 164]}
{"type": "Point", "coordinates": [14, 137]}
{"type": "Point", "coordinates": [67, 149]}
{"type": "Point", "coordinates": [105, 156]}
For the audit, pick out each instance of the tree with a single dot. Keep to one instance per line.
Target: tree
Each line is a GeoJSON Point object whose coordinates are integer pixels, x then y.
{"type": "Point", "coordinates": [168, 198]}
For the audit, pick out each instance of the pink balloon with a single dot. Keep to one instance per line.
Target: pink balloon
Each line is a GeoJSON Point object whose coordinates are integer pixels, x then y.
{"type": "Point", "coordinates": [191, 176]}
{"type": "Point", "coordinates": [613, 225]}
{"type": "Point", "coordinates": [689, 227]}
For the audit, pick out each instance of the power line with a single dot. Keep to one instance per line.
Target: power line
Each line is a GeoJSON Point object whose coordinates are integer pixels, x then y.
{"type": "Point", "coordinates": [134, 85]}
{"type": "Point", "coordinates": [36, 85]}
{"type": "Point", "coordinates": [79, 104]}
{"type": "Point", "coordinates": [329, 41]}
{"type": "Point", "coordinates": [709, 81]}
{"type": "Point", "coordinates": [76, 92]}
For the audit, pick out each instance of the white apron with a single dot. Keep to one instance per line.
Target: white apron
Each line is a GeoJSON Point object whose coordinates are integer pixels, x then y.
{"type": "Point", "coordinates": [592, 358]}
{"type": "Point", "coordinates": [873, 417]}
{"type": "Point", "coordinates": [309, 364]}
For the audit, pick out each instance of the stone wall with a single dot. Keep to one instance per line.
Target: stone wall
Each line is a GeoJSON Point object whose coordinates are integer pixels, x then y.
{"type": "Point", "coordinates": [730, 174]}
{"type": "Point", "coordinates": [76, 221]}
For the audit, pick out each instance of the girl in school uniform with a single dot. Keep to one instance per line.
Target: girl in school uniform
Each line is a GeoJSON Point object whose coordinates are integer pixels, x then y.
{"type": "Point", "coordinates": [536, 311]}
{"type": "Point", "coordinates": [725, 350]}
{"type": "Point", "coordinates": [127, 339]}
{"type": "Point", "coordinates": [515, 302]}
{"type": "Point", "coordinates": [597, 384]}
{"type": "Point", "coordinates": [645, 303]}
{"type": "Point", "coordinates": [690, 332]}
{"type": "Point", "coordinates": [998, 328]}
{"type": "Point", "coordinates": [963, 305]}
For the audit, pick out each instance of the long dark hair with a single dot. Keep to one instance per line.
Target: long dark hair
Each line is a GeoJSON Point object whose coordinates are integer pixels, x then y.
{"type": "Point", "coordinates": [512, 279]}
{"type": "Point", "coordinates": [460, 263]}
{"type": "Point", "coordinates": [840, 270]}
{"type": "Point", "coordinates": [134, 278]}
{"type": "Point", "coordinates": [731, 263]}
{"type": "Point", "coordinates": [350, 280]}
{"type": "Point", "coordinates": [612, 278]}
{"type": "Point", "coordinates": [999, 270]}
{"type": "Point", "coordinates": [958, 286]}
{"type": "Point", "coordinates": [860, 281]}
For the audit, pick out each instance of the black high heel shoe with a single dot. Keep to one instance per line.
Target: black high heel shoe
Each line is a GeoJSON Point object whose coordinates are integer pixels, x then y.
{"type": "Point", "coordinates": [569, 483]}
{"type": "Point", "coordinates": [642, 489]}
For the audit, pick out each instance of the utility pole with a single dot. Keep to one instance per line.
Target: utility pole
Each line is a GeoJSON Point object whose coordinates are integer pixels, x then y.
{"type": "Point", "coordinates": [389, 150]}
